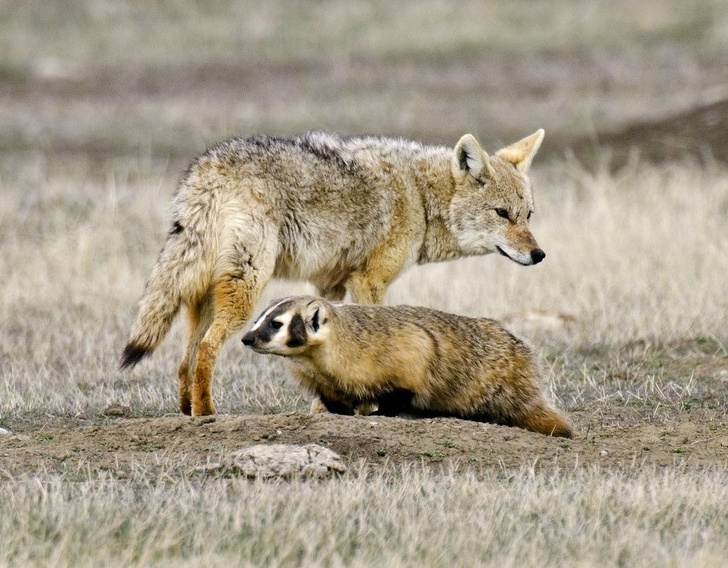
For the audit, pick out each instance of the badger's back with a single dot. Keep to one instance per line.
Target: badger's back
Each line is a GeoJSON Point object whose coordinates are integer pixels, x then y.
{"type": "Point", "coordinates": [456, 366]}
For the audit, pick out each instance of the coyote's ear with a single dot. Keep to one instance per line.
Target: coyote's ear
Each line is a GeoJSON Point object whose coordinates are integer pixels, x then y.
{"type": "Point", "coordinates": [522, 152]}
{"type": "Point", "coordinates": [470, 159]}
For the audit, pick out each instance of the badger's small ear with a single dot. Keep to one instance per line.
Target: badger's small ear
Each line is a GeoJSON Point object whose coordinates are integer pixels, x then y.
{"type": "Point", "coordinates": [470, 159]}
{"type": "Point", "coordinates": [315, 320]}
{"type": "Point", "coordinates": [521, 153]}
{"type": "Point", "coordinates": [315, 315]}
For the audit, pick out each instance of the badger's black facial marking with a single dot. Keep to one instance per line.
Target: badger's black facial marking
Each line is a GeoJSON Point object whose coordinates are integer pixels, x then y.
{"type": "Point", "coordinates": [176, 228]}
{"type": "Point", "coordinates": [296, 332]}
{"type": "Point", "coordinates": [267, 331]}
{"type": "Point", "coordinates": [264, 334]}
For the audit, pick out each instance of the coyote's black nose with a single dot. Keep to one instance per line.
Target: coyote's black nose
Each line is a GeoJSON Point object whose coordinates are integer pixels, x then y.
{"type": "Point", "coordinates": [248, 340]}
{"type": "Point", "coordinates": [537, 255]}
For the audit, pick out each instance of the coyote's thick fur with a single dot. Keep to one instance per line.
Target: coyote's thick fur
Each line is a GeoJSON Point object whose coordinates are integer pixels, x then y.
{"type": "Point", "coordinates": [346, 214]}
{"type": "Point", "coordinates": [394, 359]}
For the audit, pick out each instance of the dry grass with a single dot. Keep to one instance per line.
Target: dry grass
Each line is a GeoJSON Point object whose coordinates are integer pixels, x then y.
{"type": "Point", "coordinates": [407, 517]}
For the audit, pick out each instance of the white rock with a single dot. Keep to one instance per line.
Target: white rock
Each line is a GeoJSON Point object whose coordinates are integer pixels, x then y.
{"type": "Point", "coordinates": [280, 460]}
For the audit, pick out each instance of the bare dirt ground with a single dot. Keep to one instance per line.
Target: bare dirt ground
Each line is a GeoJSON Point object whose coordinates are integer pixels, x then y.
{"type": "Point", "coordinates": [621, 430]}
{"type": "Point", "coordinates": [178, 445]}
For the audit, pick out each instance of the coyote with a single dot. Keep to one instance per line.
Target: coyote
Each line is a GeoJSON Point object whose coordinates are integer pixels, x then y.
{"type": "Point", "coordinates": [406, 359]}
{"type": "Point", "coordinates": [346, 214]}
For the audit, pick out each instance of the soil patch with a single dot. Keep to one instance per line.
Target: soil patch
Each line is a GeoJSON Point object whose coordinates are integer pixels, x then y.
{"type": "Point", "coordinates": [699, 134]}
{"type": "Point", "coordinates": [177, 445]}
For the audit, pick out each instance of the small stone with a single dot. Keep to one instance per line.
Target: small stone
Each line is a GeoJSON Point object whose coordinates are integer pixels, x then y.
{"type": "Point", "coordinates": [5, 432]}
{"type": "Point", "coordinates": [603, 453]}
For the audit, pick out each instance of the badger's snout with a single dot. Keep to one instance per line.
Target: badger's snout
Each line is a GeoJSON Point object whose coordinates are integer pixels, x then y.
{"type": "Point", "coordinates": [259, 342]}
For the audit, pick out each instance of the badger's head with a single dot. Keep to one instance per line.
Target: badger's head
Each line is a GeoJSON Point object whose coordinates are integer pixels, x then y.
{"type": "Point", "coordinates": [289, 326]}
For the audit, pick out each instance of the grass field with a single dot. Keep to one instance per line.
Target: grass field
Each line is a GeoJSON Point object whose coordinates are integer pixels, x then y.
{"type": "Point", "coordinates": [102, 106]}
{"type": "Point", "coordinates": [638, 518]}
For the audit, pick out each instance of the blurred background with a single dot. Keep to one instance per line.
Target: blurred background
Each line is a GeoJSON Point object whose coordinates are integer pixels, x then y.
{"type": "Point", "coordinates": [103, 79]}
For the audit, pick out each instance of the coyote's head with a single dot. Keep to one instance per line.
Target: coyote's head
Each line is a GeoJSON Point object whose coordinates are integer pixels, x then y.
{"type": "Point", "coordinates": [493, 203]}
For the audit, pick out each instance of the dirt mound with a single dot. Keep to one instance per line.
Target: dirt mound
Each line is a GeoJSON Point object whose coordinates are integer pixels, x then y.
{"type": "Point", "coordinates": [700, 133]}
{"type": "Point", "coordinates": [177, 445]}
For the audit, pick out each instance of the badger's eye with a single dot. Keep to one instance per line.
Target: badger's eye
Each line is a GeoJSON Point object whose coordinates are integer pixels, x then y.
{"type": "Point", "coordinates": [528, 218]}
{"type": "Point", "coordinates": [276, 324]}
{"type": "Point", "coordinates": [502, 213]}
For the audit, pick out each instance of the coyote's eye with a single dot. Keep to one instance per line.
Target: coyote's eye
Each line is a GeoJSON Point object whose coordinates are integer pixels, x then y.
{"type": "Point", "coordinates": [276, 324]}
{"type": "Point", "coordinates": [502, 213]}
{"type": "Point", "coordinates": [528, 217]}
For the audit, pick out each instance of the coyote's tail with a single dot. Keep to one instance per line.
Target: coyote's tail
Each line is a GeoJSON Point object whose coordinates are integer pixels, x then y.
{"type": "Point", "coordinates": [176, 277]}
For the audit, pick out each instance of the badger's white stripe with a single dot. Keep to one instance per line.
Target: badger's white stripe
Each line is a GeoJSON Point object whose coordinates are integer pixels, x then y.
{"type": "Point", "coordinates": [262, 317]}
{"type": "Point", "coordinates": [282, 335]}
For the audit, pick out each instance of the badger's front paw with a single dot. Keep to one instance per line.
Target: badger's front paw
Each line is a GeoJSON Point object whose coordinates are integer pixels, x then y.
{"type": "Point", "coordinates": [366, 408]}
{"type": "Point", "coordinates": [318, 407]}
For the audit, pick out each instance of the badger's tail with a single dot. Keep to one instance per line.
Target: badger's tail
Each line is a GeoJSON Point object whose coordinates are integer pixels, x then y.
{"type": "Point", "coordinates": [178, 276]}
{"type": "Point", "coordinates": [546, 420]}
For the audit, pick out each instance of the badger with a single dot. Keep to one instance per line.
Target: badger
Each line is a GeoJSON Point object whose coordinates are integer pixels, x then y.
{"type": "Point", "coordinates": [392, 360]}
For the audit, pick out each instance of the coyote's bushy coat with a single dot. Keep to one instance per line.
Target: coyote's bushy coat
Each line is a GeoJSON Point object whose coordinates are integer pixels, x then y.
{"type": "Point", "coordinates": [346, 214]}
{"type": "Point", "coordinates": [406, 359]}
